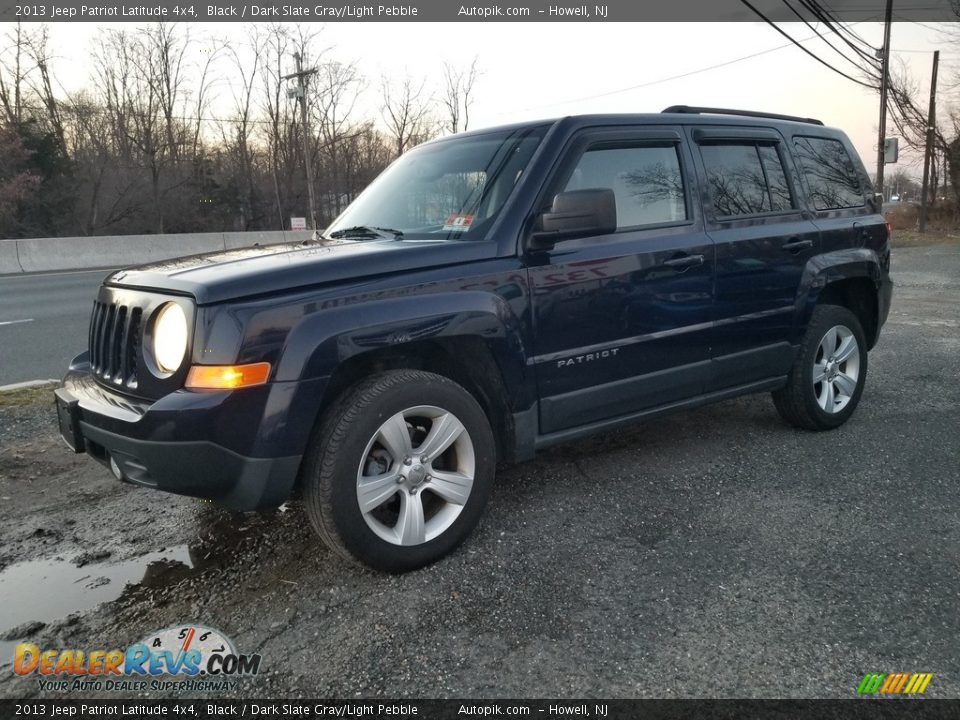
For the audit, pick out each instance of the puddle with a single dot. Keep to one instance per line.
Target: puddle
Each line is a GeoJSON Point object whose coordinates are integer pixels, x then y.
{"type": "Point", "coordinates": [47, 590]}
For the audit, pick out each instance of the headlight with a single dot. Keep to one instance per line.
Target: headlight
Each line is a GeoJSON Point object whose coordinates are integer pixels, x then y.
{"type": "Point", "coordinates": [170, 337]}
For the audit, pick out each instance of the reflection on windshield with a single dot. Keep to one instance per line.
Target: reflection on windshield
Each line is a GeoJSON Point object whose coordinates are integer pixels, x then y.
{"type": "Point", "coordinates": [452, 189]}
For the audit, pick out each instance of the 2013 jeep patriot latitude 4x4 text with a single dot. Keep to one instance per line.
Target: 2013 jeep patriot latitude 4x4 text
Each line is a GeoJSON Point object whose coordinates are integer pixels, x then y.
{"type": "Point", "coordinates": [490, 294]}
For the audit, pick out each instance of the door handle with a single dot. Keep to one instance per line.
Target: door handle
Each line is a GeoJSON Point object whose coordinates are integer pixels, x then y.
{"type": "Point", "coordinates": [684, 262]}
{"type": "Point", "coordinates": [795, 245]}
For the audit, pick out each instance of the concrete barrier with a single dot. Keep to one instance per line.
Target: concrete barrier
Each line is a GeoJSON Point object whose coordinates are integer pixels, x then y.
{"type": "Point", "coordinates": [114, 251]}
{"type": "Point", "coordinates": [9, 263]}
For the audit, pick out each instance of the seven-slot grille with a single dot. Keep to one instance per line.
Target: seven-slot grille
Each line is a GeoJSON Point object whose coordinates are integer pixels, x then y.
{"type": "Point", "coordinates": [115, 342]}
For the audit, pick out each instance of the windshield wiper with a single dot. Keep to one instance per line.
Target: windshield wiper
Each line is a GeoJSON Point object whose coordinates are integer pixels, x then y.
{"type": "Point", "coordinates": [367, 231]}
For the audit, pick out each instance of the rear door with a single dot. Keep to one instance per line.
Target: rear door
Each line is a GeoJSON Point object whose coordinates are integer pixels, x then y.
{"type": "Point", "coordinates": [836, 194]}
{"type": "Point", "coordinates": [763, 240]}
{"type": "Point", "coordinates": [622, 321]}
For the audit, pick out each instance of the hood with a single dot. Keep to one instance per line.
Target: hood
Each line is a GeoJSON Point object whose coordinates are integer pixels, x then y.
{"type": "Point", "coordinates": [219, 276]}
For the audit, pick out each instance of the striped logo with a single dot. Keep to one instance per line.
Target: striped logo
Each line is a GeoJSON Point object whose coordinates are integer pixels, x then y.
{"type": "Point", "coordinates": [894, 683]}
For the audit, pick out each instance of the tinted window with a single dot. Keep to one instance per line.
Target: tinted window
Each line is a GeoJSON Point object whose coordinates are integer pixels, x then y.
{"type": "Point", "coordinates": [831, 176]}
{"type": "Point", "coordinates": [646, 181]}
{"type": "Point", "coordinates": [745, 179]}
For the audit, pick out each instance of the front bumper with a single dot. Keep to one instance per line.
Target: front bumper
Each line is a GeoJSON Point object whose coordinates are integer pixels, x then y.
{"type": "Point", "coordinates": [239, 448]}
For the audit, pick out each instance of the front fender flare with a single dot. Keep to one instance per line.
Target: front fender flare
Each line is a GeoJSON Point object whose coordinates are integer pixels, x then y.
{"type": "Point", "coordinates": [323, 340]}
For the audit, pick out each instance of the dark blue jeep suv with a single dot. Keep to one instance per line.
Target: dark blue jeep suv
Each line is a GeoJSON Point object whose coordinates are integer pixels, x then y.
{"type": "Point", "coordinates": [490, 294]}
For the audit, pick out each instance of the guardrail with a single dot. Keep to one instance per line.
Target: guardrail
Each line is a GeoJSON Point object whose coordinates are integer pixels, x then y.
{"type": "Point", "coordinates": [111, 251]}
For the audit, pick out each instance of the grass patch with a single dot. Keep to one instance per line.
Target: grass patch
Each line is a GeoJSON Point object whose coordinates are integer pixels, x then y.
{"type": "Point", "coordinates": [25, 397]}
{"type": "Point", "coordinates": [911, 238]}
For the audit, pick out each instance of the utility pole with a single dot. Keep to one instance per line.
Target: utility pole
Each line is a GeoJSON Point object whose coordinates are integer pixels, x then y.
{"type": "Point", "coordinates": [885, 71]}
{"type": "Point", "coordinates": [301, 93]}
{"type": "Point", "coordinates": [931, 119]}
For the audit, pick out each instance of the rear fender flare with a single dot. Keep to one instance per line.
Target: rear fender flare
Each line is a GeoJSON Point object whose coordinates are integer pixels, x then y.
{"type": "Point", "coordinates": [827, 268]}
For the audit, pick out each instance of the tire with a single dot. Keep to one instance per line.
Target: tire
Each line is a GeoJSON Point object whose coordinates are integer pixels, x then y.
{"type": "Point", "coordinates": [827, 404]}
{"type": "Point", "coordinates": [369, 448]}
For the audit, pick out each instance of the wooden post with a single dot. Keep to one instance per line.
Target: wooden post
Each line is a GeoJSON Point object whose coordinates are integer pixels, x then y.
{"type": "Point", "coordinates": [931, 119]}
{"type": "Point", "coordinates": [885, 71]}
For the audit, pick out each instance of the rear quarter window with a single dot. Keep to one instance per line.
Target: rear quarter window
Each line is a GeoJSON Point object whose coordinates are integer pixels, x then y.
{"type": "Point", "coordinates": [832, 179]}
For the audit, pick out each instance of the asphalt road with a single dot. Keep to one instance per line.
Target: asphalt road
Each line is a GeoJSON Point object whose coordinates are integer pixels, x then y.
{"type": "Point", "coordinates": [43, 322]}
{"type": "Point", "coordinates": [712, 553]}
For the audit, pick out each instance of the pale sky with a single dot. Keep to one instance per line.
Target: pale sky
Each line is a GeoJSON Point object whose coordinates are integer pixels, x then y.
{"type": "Point", "coordinates": [543, 70]}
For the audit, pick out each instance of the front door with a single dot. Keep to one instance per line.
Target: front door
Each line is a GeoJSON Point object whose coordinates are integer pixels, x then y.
{"type": "Point", "coordinates": [622, 321]}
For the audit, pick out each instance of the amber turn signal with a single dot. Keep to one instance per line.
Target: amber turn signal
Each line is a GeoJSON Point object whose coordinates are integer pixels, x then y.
{"type": "Point", "coordinates": [227, 377]}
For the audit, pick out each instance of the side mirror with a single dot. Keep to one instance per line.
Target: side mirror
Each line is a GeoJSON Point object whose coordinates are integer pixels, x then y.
{"type": "Point", "coordinates": [577, 213]}
{"type": "Point", "coordinates": [875, 202]}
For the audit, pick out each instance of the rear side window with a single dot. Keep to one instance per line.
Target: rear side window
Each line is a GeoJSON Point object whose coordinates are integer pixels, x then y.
{"type": "Point", "coordinates": [745, 178]}
{"type": "Point", "coordinates": [646, 181]}
{"type": "Point", "coordinates": [830, 173]}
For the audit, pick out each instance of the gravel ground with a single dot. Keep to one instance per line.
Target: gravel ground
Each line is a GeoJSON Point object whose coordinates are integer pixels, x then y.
{"type": "Point", "coordinates": [714, 553]}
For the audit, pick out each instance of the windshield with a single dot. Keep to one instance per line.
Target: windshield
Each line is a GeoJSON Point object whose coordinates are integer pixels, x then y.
{"type": "Point", "coordinates": [453, 189]}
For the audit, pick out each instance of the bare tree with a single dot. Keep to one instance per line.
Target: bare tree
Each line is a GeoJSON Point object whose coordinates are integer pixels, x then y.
{"type": "Point", "coordinates": [283, 133]}
{"type": "Point", "coordinates": [336, 90]}
{"type": "Point", "coordinates": [107, 191]}
{"type": "Point", "coordinates": [13, 74]}
{"type": "Point", "coordinates": [41, 85]}
{"type": "Point", "coordinates": [136, 151]}
{"type": "Point", "coordinates": [458, 95]}
{"type": "Point", "coordinates": [239, 140]}
{"type": "Point", "coordinates": [406, 113]}
{"type": "Point", "coordinates": [131, 95]}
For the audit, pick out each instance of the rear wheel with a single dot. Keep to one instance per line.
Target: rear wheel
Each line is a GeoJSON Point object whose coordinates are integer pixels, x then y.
{"type": "Point", "coordinates": [400, 470]}
{"type": "Point", "coordinates": [828, 375]}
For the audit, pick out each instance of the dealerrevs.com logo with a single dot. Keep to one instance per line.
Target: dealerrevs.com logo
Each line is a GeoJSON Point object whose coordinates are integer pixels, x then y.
{"type": "Point", "coordinates": [187, 657]}
{"type": "Point", "coordinates": [902, 683]}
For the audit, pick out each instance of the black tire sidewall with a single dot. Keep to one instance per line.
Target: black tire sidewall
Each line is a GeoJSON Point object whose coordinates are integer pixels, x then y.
{"type": "Point", "coordinates": [347, 518]}
{"type": "Point", "coordinates": [824, 318]}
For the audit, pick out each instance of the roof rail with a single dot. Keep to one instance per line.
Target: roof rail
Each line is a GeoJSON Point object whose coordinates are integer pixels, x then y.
{"type": "Point", "coordinates": [745, 113]}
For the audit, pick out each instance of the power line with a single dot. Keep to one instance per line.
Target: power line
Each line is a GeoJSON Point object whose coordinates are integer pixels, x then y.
{"type": "Point", "coordinates": [824, 15]}
{"type": "Point", "coordinates": [662, 80]}
{"type": "Point", "coordinates": [832, 15]}
{"type": "Point", "coordinates": [811, 54]}
{"type": "Point", "coordinates": [831, 45]}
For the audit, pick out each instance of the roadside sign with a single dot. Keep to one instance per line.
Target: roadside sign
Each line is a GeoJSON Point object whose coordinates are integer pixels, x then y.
{"type": "Point", "coordinates": [891, 150]}
{"type": "Point", "coordinates": [298, 223]}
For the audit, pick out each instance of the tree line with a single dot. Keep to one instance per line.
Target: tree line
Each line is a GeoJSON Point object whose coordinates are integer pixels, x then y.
{"type": "Point", "coordinates": [142, 150]}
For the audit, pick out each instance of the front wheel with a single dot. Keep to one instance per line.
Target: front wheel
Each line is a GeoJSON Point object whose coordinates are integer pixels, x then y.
{"type": "Point", "coordinates": [400, 470]}
{"type": "Point", "coordinates": [828, 375]}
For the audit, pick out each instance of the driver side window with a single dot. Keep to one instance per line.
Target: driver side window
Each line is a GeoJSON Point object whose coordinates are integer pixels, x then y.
{"type": "Point", "coordinates": [646, 181]}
